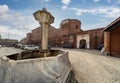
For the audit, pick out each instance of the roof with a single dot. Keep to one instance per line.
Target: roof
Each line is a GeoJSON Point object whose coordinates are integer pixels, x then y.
{"type": "Point", "coordinates": [110, 26]}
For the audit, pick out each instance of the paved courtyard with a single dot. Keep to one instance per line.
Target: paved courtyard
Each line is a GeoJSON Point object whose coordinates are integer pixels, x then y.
{"type": "Point", "coordinates": [89, 66]}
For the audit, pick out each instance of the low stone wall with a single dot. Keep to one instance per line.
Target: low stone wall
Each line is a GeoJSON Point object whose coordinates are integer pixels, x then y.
{"type": "Point", "coordinates": [38, 70]}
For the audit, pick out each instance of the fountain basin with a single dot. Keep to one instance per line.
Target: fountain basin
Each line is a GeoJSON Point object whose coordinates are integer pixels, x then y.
{"type": "Point", "coordinates": [24, 68]}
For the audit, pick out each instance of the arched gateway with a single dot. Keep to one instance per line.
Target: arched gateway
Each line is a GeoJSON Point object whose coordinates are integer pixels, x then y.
{"type": "Point", "coordinates": [83, 41]}
{"type": "Point", "coordinates": [82, 44]}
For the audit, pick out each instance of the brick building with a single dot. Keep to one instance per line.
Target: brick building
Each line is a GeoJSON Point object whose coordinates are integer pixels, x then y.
{"type": "Point", "coordinates": [35, 36]}
{"type": "Point", "coordinates": [8, 42]}
{"type": "Point", "coordinates": [112, 38]}
{"type": "Point", "coordinates": [68, 30]}
{"type": "Point", "coordinates": [69, 34]}
{"type": "Point", "coordinates": [90, 38]}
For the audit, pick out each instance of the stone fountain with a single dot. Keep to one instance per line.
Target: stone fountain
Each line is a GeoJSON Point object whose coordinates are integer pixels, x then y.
{"type": "Point", "coordinates": [37, 66]}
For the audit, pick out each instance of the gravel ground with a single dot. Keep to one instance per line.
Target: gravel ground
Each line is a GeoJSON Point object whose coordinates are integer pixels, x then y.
{"type": "Point", "coordinates": [90, 66]}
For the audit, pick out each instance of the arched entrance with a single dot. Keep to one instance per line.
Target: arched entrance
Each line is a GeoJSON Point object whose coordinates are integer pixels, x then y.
{"type": "Point", "coordinates": [82, 44]}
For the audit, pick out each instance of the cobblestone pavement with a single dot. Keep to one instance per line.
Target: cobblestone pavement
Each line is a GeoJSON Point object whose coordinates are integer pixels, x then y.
{"type": "Point", "coordinates": [90, 66]}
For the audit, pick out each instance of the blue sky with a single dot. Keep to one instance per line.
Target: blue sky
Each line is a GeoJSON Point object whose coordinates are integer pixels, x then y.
{"type": "Point", "coordinates": [16, 16]}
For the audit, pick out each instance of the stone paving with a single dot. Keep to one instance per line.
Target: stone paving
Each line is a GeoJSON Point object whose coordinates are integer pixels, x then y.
{"type": "Point", "coordinates": [90, 66]}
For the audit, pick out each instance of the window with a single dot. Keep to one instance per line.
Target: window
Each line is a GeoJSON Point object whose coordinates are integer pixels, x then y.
{"type": "Point", "coordinates": [76, 26]}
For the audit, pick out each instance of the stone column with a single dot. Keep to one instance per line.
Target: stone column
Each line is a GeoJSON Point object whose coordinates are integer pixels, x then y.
{"type": "Point", "coordinates": [44, 36]}
{"type": "Point", "coordinates": [45, 19]}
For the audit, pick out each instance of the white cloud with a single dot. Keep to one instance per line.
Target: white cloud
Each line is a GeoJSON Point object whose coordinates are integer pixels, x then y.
{"type": "Point", "coordinates": [97, 25]}
{"type": "Point", "coordinates": [81, 11]}
{"type": "Point", "coordinates": [47, 0]}
{"type": "Point", "coordinates": [66, 2]}
{"type": "Point", "coordinates": [3, 29]}
{"type": "Point", "coordinates": [96, 0]}
{"type": "Point", "coordinates": [10, 33]}
{"type": "Point", "coordinates": [15, 23]}
{"type": "Point", "coordinates": [64, 7]}
{"type": "Point", "coordinates": [108, 12]}
{"type": "Point", "coordinates": [3, 9]}
{"type": "Point", "coordinates": [17, 20]}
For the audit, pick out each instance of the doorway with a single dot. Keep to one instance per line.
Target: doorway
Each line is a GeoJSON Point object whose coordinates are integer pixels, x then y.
{"type": "Point", "coordinates": [82, 44]}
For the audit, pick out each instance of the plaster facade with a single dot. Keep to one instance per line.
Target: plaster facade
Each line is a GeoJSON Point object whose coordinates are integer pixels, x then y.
{"type": "Point", "coordinates": [85, 37]}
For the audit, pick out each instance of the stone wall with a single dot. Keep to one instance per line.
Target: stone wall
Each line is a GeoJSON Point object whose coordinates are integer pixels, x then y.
{"type": "Point", "coordinates": [37, 70]}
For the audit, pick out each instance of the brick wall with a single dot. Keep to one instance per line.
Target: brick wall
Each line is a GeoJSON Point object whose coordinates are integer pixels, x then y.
{"type": "Point", "coordinates": [28, 38]}
{"type": "Point", "coordinates": [107, 42]}
{"type": "Point", "coordinates": [70, 26]}
{"type": "Point", "coordinates": [96, 38]}
{"type": "Point", "coordinates": [35, 36]}
{"type": "Point", "coordinates": [75, 26]}
{"type": "Point", "coordinates": [115, 41]}
{"type": "Point", "coordinates": [24, 41]}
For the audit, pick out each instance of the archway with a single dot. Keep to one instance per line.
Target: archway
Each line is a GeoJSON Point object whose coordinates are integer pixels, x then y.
{"type": "Point", "coordinates": [82, 44]}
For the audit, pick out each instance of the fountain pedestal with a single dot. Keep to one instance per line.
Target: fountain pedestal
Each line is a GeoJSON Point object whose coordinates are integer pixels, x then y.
{"type": "Point", "coordinates": [45, 19]}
